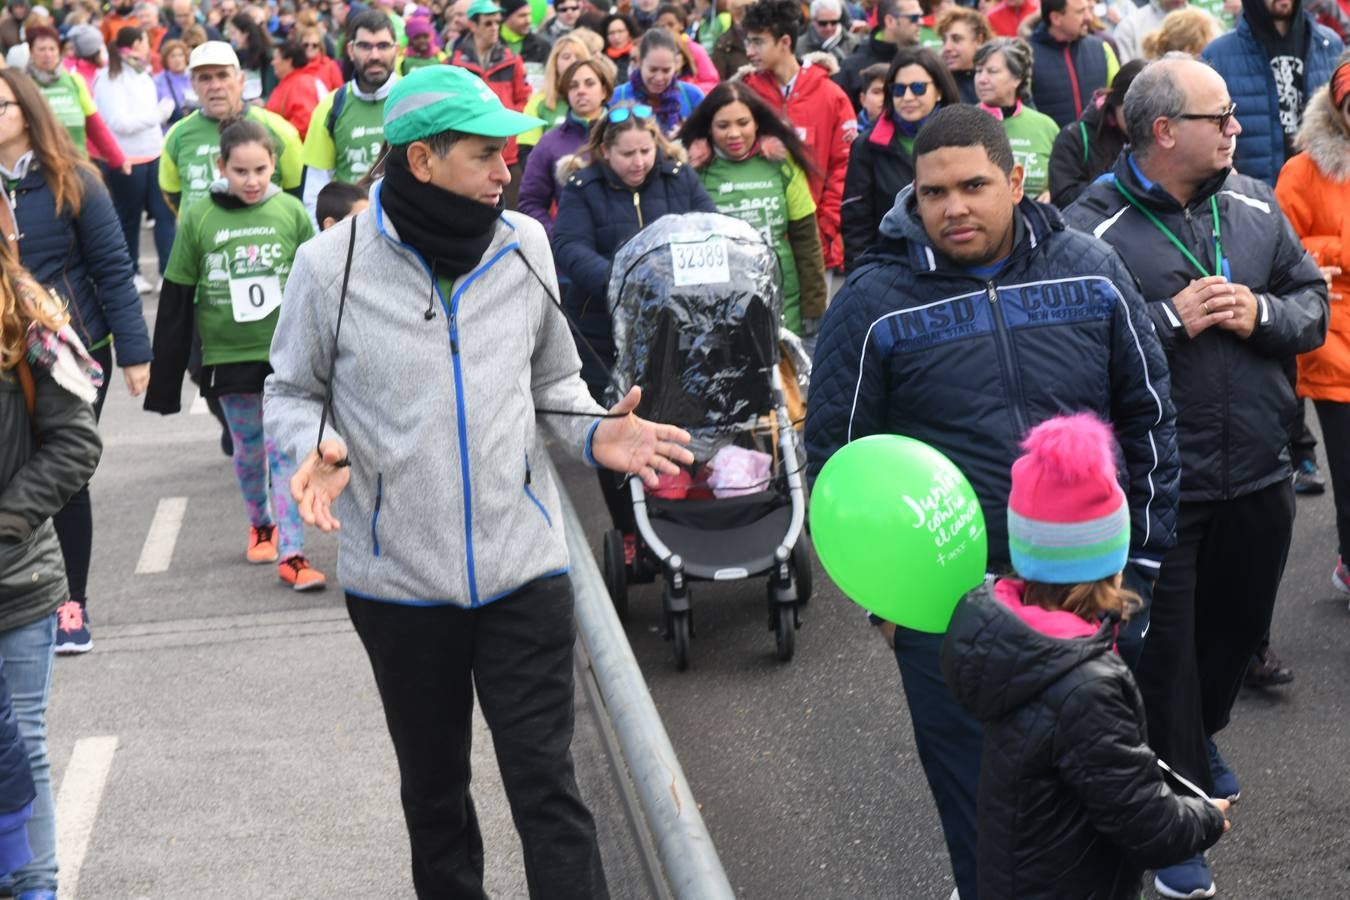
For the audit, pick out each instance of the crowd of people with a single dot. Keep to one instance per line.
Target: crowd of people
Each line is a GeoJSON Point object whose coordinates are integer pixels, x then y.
{"type": "Point", "coordinates": [1150, 196]}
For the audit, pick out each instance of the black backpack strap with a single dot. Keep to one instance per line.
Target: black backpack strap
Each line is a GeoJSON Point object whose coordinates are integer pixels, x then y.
{"type": "Point", "coordinates": [337, 332]}
{"type": "Point", "coordinates": [339, 101]}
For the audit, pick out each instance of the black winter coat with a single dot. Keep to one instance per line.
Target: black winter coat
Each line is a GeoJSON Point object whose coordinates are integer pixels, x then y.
{"type": "Point", "coordinates": [915, 345]}
{"type": "Point", "coordinates": [879, 168]}
{"type": "Point", "coordinates": [1065, 76]}
{"type": "Point", "coordinates": [1234, 402]}
{"type": "Point", "coordinates": [84, 259]}
{"type": "Point", "coordinates": [870, 52]}
{"type": "Point", "coordinates": [1082, 152]}
{"type": "Point", "coordinates": [1071, 800]}
{"type": "Point", "coordinates": [597, 213]}
{"type": "Point", "coordinates": [38, 474]}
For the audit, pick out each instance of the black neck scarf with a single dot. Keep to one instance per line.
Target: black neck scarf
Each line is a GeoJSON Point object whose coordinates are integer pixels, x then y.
{"type": "Point", "coordinates": [450, 231]}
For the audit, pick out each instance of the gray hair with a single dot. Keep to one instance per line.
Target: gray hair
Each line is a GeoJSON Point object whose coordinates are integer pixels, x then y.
{"type": "Point", "coordinates": [1155, 93]}
{"type": "Point", "coordinates": [1016, 55]}
{"type": "Point", "coordinates": [820, 6]}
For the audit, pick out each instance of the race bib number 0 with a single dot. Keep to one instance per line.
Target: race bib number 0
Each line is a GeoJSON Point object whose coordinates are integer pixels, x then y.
{"type": "Point", "coordinates": [704, 262]}
{"type": "Point", "coordinates": [254, 298]}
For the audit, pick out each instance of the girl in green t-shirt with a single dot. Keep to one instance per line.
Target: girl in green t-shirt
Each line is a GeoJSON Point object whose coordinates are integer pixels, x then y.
{"type": "Point", "coordinates": [227, 272]}
{"type": "Point", "coordinates": [757, 172]}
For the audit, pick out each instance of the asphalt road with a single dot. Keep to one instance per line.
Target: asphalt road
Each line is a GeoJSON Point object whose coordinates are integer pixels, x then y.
{"type": "Point", "coordinates": [810, 784]}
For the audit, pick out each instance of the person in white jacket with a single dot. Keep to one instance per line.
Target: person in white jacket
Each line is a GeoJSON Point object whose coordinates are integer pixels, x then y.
{"type": "Point", "coordinates": [128, 101]}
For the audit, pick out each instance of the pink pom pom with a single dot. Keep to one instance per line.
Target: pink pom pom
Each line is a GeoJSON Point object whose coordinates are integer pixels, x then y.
{"type": "Point", "coordinates": [1072, 448]}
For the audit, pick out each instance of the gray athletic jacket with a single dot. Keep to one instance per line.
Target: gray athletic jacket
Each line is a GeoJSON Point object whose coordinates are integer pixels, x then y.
{"type": "Point", "coordinates": [447, 501]}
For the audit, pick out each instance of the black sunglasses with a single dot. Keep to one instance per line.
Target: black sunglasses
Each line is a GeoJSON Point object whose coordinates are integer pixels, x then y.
{"type": "Point", "coordinates": [566, 9]}
{"type": "Point", "coordinates": [1221, 119]}
{"type": "Point", "coordinates": [826, 23]}
{"type": "Point", "coordinates": [919, 88]}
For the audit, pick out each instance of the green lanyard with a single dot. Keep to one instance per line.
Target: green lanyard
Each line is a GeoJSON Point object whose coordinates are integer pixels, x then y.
{"type": "Point", "coordinates": [1167, 232]}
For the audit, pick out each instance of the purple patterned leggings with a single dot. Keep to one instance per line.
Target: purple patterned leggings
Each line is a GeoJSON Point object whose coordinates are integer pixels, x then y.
{"type": "Point", "coordinates": [254, 453]}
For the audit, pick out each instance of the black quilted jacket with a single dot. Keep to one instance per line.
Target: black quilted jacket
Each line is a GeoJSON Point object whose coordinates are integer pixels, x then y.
{"type": "Point", "coordinates": [914, 345]}
{"type": "Point", "coordinates": [1071, 800]}
{"type": "Point", "coordinates": [1234, 402]}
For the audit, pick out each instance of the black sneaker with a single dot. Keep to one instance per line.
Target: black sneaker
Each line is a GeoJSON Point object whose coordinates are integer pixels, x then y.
{"type": "Point", "coordinates": [72, 629]}
{"type": "Point", "coordinates": [1308, 478]}
{"type": "Point", "coordinates": [1265, 670]}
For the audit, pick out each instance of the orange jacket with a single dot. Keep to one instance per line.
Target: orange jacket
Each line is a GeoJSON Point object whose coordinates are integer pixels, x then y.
{"type": "Point", "coordinates": [1314, 192]}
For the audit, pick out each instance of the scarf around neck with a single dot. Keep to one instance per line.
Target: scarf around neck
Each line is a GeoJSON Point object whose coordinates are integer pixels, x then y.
{"type": "Point", "coordinates": [666, 105]}
{"type": "Point", "coordinates": [451, 232]}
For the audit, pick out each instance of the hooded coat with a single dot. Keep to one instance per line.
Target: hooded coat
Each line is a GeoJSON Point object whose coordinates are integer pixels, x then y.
{"type": "Point", "coordinates": [914, 344]}
{"type": "Point", "coordinates": [1314, 192]}
{"type": "Point", "coordinates": [1071, 800]}
{"type": "Point", "coordinates": [1242, 61]}
{"type": "Point", "coordinates": [1083, 151]}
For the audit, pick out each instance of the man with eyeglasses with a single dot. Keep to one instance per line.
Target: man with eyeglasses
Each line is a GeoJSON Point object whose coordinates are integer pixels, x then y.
{"type": "Point", "coordinates": [901, 21]}
{"type": "Point", "coordinates": [347, 128]}
{"type": "Point", "coordinates": [1069, 65]}
{"type": "Point", "coordinates": [1232, 294]}
{"type": "Point", "coordinates": [564, 20]}
{"type": "Point", "coordinates": [827, 31]}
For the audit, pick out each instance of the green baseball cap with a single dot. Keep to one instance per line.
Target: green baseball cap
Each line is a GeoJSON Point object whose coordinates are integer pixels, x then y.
{"type": "Point", "coordinates": [443, 98]}
{"type": "Point", "coordinates": [483, 8]}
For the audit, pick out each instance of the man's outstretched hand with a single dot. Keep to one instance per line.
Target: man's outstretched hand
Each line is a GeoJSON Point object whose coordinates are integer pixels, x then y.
{"type": "Point", "coordinates": [636, 446]}
{"type": "Point", "coordinates": [318, 482]}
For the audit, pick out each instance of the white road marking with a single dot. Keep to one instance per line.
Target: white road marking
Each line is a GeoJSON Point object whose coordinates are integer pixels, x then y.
{"type": "Point", "coordinates": [77, 805]}
{"type": "Point", "coordinates": [157, 552]}
{"type": "Point", "coordinates": [198, 407]}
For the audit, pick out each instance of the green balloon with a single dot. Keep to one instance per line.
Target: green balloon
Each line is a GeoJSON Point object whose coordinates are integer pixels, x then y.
{"type": "Point", "coordinates": [899, 529]}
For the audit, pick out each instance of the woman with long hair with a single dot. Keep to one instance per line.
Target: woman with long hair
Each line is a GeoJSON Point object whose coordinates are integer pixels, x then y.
{"type": "Point", "coordinates": [1003, 83]}
{"type": "Point", "coordinates": [71, 240]}
{"type": "Point", "coordinates": [589, 84]}
{"type": "Point", "coordinates": [626, 175]}
{"type": "Point", "coordinates": [770, 194]}
{"type": "Point", "coordinates": [881, 161]}
{"type": "Point", "coordinates": [42, 366]}
{"type": "Point", "coordinates": [550, 102]}
{"type": "Point", "coordinates": [698, 68]}
{"type": "Point", "coordinates": [655, 81]}
{"type": "Point", "coordinates": [128, 101]}
{"type": "Point", "coordinates": [312, 37]}
{"type": "Point", "coordinates": [254, 47]}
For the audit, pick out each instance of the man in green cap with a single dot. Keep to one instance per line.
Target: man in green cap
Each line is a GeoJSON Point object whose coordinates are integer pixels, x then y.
{"type": "Point", "coordinates": [451, 348]}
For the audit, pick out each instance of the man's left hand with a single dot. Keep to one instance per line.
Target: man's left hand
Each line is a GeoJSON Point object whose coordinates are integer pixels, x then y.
{"type": "Point", "coordinates": [638, 447]}
{"type": "Point", "coordinates": [1244, 308]}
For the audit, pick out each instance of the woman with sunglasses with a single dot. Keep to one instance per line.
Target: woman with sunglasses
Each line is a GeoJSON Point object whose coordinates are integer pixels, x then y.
{"type": "Point", "coordinates": [655, 82]}
{"type": "Point", "coordinates": [625, 176]}
{"type": "Point", "coordinates": [881, 162]}
{"type": "Point", "coordinates": [771, 194]}
{"type": "Point", "coordinates": [318, 49]}
{"type": "Point", "coordinates": [1003, 84]}
{"type": "Point", "coordinates": [589, 84]}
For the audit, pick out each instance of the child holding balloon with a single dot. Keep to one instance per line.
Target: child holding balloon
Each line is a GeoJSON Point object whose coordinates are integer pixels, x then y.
{"type": "Point", "coordinates": [1072, 802]}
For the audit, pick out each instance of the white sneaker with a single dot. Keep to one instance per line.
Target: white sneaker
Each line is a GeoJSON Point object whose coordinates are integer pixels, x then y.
{"type": "Point", "coordinates": [142, 286]}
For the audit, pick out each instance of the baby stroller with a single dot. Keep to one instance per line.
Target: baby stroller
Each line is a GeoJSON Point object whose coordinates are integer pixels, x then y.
{"type": "Point", "coordinates": [696, 303]}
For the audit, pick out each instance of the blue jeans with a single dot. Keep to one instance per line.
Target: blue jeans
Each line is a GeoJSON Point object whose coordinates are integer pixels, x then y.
{"type": "Point", "coordinates": [137, 193]}
{"type": "Point", "coordinates": [950, 742]}
{"type": "Point", "coordinates": [27, 652]}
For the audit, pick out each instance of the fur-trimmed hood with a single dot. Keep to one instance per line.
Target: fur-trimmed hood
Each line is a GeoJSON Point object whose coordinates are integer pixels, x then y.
{"type": "Point", "coordinates": [1324, 137]}
{"type": "Point", "coordinates": [573, 163]}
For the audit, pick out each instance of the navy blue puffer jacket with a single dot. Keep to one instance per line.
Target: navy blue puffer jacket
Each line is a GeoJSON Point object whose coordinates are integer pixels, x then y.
{"type": "Point", "coordinates": [84, 259]}
{"type": "Point", "coordinates": [915, 345]}
{"type": "Point", "coordinates": [1065, 76]}
{"type": "Point", "coordinates": [597, 213]}
{"type": "Point", "coordinates": [1245, 68]}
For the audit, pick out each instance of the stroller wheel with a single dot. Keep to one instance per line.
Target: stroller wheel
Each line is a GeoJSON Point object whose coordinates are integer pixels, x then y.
{"type": "Point", "coordinates": [801, 568]}
{"type": "Point", "coordinates": [615, 572]}
{"type": "Point", "coordinates": [785, 630]}
{"type": "Point", "coordinates": [680, 633]}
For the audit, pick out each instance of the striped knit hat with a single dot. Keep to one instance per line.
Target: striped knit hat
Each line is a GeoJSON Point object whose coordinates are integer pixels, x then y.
{"type": "Point", "coordinates": [1068, 522]}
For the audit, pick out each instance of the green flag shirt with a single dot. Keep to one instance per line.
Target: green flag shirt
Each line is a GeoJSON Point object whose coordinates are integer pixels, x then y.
{"type": "Point", "coordinates": [767, 196]}
{"type": "Point", "coordinates": [353, 145]}
{"type": "Point", "coordinates": [192, 148]}
{"type": "Point", "coordinates": [1032, 136]}
{"type": "Point", "coordinates": [238, 258]}
{"type": "Point", "coordinates": [68, 97]}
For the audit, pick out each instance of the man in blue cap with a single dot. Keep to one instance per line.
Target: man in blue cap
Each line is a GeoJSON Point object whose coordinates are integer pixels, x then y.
{"type": "Point", "coordinates": [453, 560]}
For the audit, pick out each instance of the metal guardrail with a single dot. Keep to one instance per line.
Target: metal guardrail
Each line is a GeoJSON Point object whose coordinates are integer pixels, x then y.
{"type": "Point", "coordinates": [693, 870]}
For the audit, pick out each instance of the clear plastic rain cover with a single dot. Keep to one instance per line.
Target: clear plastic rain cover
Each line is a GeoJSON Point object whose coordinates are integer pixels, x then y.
{"type": "Point", "coordinates": [696, 300]}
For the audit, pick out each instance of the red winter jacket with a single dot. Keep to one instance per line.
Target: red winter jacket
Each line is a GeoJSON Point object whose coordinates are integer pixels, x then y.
{"type": "Point", "coordinates": [296, 95]}
{"type": "Point", "coordinates": [504, 72]}
{"type": "Point", "coordinates": [823, 117]}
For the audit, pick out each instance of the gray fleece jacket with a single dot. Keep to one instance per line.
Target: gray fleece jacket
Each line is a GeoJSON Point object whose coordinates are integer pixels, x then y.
{"type": "Point", "coordinates": [447, 503]}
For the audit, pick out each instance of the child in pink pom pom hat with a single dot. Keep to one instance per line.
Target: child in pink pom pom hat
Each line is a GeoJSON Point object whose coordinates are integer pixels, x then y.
{"type": "Point", "coordinates": [1071, 800]}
